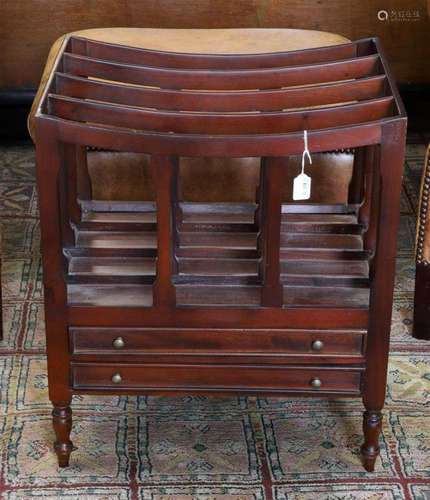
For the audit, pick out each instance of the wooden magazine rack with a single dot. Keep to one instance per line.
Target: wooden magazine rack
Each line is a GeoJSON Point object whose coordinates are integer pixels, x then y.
{"type": "Point", "coordinates": [177, 298]}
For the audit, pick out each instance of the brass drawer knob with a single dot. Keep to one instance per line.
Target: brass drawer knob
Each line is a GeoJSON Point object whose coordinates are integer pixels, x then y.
{"type": "Point", "coordinates": [116, 378]}
{"type": "Point", "coordinates": [118, 343]}
{"type": "Point", "coordinates": [317, 345]}
{"type": "Point", "coordinates": [316, 383]}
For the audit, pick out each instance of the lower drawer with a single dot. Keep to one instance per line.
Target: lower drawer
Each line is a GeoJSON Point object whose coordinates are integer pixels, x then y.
{"type": "Point", "coordinates": [215, 341]}
{"type": "Point", "coordinates": [153, 377]}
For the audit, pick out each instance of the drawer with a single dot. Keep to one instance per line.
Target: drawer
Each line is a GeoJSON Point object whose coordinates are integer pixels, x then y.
{"type": "Point", "coordinates": [215, 341]}
{"type": "Point", "coordinates": [222, 378]}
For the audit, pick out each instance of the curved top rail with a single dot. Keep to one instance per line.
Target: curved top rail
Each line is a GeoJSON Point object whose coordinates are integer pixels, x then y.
{"type": "Point", "coordinates": [237, 145]}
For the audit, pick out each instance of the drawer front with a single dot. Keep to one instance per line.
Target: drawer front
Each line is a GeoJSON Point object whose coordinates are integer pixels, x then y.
{"type": "Point", "coordinates": [235, 378]}
{"type": "Point", "coordinates": [212, 341]}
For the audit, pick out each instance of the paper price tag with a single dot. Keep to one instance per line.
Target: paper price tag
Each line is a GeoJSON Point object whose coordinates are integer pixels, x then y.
{"type": "Point", "coordinates": [302, 187]}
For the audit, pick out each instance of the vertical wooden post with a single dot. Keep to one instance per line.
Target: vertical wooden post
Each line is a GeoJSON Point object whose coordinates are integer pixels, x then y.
{"type": "Point", "coordinates": [49, 165]}
{"type": "Point", "coordinates": [69, 208]}
{"type": "Point", "coordinates": [165, 175]}
{"type": "Point", "coordinates": [368, 173]}
{"type": "Point", "coordinates": [368, 214]}
{"type": "Point", "coordinates": [269, 238]}
{"type": "Point", "coordinates": [77, 178]}
{"type": "Point", "coordinates": [83, 180]}
{"type": "Point", "coordinates": [259, 197]}
{"type": "Point", "coordinates": [355, 192]}
{"type": "Point", "coordinates": [74, 185]}
{"type": "Point", "coordinates": [382, 285]}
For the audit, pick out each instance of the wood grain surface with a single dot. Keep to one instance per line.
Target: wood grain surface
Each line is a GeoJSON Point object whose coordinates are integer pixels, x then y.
{"type": "Point", "coordinates": [29, 27]}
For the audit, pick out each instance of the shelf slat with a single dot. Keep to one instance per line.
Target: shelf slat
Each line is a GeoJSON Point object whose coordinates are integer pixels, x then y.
{"type": "Point", "coordinates": [322, 257]}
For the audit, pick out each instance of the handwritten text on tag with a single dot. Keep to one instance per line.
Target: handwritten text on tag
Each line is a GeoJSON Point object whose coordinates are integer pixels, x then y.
{"type": "Point", "coordinates": [302, 187]}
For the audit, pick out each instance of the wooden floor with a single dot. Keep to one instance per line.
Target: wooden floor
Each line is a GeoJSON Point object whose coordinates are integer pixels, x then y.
{"type": "Point", "coordinates": [322, 258]}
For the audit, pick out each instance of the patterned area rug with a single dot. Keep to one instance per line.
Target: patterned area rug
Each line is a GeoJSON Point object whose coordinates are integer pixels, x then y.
{"type": "Point", "coordinates": [197, 447]}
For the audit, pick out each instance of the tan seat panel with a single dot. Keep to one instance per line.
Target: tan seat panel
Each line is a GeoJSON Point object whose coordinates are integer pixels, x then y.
{"type": "Point", "coordinates": [126, 176]}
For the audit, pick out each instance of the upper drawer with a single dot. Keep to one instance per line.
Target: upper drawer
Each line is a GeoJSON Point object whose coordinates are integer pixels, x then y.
{"type": "Point", "coordinates": [215, 341]}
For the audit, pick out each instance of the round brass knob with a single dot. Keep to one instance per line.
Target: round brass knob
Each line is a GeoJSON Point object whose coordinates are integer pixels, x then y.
{"type": "Point", "coordinates": [317, 345]}
{"type": "Point", "coordinates": [118, 343]}
{"type": "Point", "coordinates": [316, 383]}
{"type": "Point", "coordinates": [116, 378]}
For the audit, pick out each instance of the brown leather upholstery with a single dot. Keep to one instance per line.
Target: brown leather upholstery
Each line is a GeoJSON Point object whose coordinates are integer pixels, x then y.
{"type": "Point", "coordinates": [423, 221]}
{"type": "Point", "coordinates": [421, 326]}
{"type": "Point", "coordinates": [126, 176]}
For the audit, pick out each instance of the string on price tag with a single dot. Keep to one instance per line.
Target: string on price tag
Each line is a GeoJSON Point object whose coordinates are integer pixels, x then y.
{"type": "Point", "coordinates": [302, 183]}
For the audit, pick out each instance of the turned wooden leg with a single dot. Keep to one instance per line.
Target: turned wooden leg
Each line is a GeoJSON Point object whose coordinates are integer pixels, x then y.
{"type": "Point", "coordinates": [62, 423]}
{"type": "Point", "coordinates": [372, 425]}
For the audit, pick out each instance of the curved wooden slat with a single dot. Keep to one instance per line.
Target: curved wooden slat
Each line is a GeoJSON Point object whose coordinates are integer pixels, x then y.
{"type": "Point", "coordinates": [217, 123]}
{"type": "Point", "coordinates": [359, 67]}
{"type": "Point", "coordinates": [122, 139]}
{"type": "Point", "coordinates": [159, 58]}
{"type": "Point", "coordinates": [263, 100]}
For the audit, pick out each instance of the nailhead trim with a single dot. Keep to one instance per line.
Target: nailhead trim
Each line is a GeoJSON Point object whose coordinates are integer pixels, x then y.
{"type": "Point", "coordinates": [422, 216]}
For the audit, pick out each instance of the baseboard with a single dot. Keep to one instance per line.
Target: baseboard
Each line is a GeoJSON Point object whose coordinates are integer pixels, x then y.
{"type": "Point", "coordinates": [15, 106]}
{"type": "Point", "coordinates": [416, 98]}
